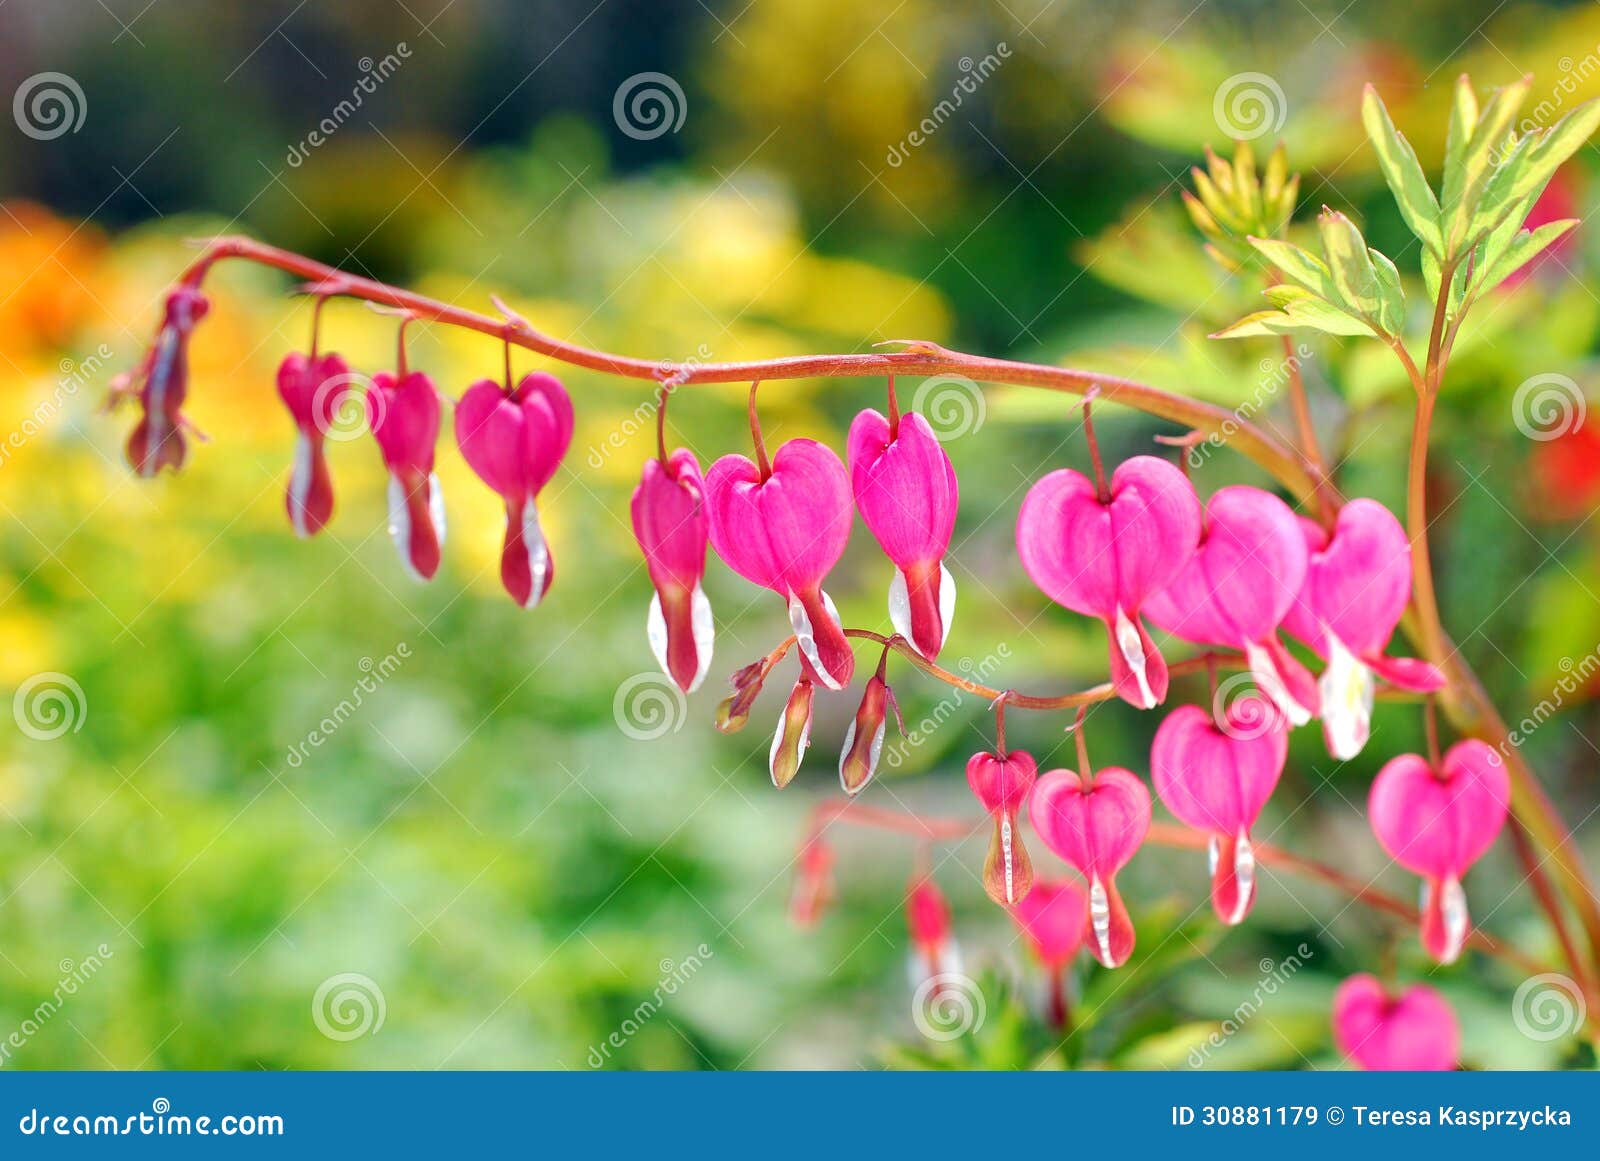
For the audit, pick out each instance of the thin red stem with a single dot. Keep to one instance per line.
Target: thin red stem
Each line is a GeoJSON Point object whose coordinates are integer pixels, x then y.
{"type": "Point", "coordinates": [664, 393]}
{"type": "Point", "coordinates": [763, 465]}
{"type": "Point", "coordinates": [1102, 490]}
{"type": "Point", "coordinates": [894, 410]}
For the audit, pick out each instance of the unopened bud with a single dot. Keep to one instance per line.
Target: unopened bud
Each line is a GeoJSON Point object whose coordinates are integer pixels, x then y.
{"type": "Point", "coordinates": [863, 742]}
{"type": "Point", "coordinates": [793, 734]}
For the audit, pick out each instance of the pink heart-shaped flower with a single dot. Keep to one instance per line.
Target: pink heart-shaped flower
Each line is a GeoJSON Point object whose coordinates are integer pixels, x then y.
{"type": "Point", "coordinates": [1002, 782]}
{"type": "Point", "coordinates": [1437, 823]}
{"type": "Point", "coordinates": [1415, 1032]}
{"type": "Point", "coordinates": [669, 521]}
{"type": "Point", "coordinates": [1053, 918]}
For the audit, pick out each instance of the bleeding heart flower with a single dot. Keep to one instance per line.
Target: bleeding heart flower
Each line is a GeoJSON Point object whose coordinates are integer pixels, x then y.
{"type": "Point", "coordinates": [906, 491]}
{"type": "Point", "coordinates": [1053, 918]}
{"type": "Point", "coordinates": [158, 438]}
{"type": "Point", "coordinates": [669, 521]}
{"type": "Point", "coordinates": [1237, 588]}
{"type": "Point", "coordinates": [515, 441]}
{"type": "Point", "coordinates": [1437, 823]}
{"type": "Point", "coordinates": [1415, 1032]}
{"type": "Point", "coordinates": [312, 387]}
{"type": "Point", "coordinates": [793, 735]}
{"type": "Point", "coordinates": [863, 741]}
{"type": "Point", "coordinates": [1002, 782]}
{"type": "Point", "coordinates": [1216, 778]}
{"type": "Point", "coordinates": [928, 919]}
{"type": "Point", "coordinates": [1358, 583]}
{"type": "Point", "coordinates": [403, 414]}
{"type": "Point", "coordinates": [1096, 826]}
{"type": "Point", "coordinates": [1105, 556]}
{"type": "Point", "coordinates": [783, 530]}
{"type": "Point", "coordinates": [813, 883]}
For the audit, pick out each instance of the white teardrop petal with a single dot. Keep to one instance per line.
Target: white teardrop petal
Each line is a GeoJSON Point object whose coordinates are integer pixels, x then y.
{"type": "Point", "coordinates": [1100, 920]}
{"type": "Point", "coordinates": [538, 552]}
{"type": "Point", "coordinates": [1132, 650]}
{"type": "Point", "coordinates": [705, 632]}
{"type": "Point", "coordinates": [805, 637]}
{"type": "Point", "coordinates": [1270, 681]}
{"type": "Point", "coordinates": [1347, 688]}
{"type": "Point", "coordinates": [300, 484]}
{"type": "Point", "coordinates": [400, 526]}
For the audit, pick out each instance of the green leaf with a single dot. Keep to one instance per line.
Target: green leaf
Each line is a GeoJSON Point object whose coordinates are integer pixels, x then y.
{"type": "Point", "coordinates": [1476, 162]}
{"type": "Point", "coordinates": [1403, 172]}
{"type": "Point", "coordinates": [1532, 164]}
{"type": "Point", "coordinates": [1353, 274]}
{"type": "Point", "coordinates": [1526, 246]}
{"type": "Point", "coordinates": [1301, 265]}
{"type": "Point", "coordinates": [1391, 295]}
{"type": "Point", "coordinates": [1299, 310]}
{"type": "Point", "coordinates": [1463, 119]}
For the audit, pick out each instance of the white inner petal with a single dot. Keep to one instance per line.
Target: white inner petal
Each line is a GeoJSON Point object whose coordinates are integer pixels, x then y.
{"type": "Point", "coordinates": [1347, 688]}
{"type": "Point", "coordinates": [705, 631]}
{"type": "Point", "coordinates": [1265, 671]}
{"type": "Point", "coordinates": [1244, 873]}
{"type": "Point", "coordinates": [777, 741]}
{"type": "Point", "coordinates": [436, 507]}
{"type": "Point", "coordinates": [1453, 909]}
{"type": "Point", "coordinates": [1132, 650]}
{"type": "Point", "coordinates": [844, 754]}
{"type": "Point", "coordinates": [806, 637]}
{"type": "Point", "coordinates": [400, 526]}
{"type": "Point", "coordinates": [655, 628]}
{"type": "Point", "coordinates": [300, 484]}
{"type": "Point", "coordinates": [1100, 919]}
{"type": "Point", "coordinates": [1005, 851]}
{"type": "Point", "coordinates": [533, 543]}
{"type": "Point", "coordinates": [900, 606]}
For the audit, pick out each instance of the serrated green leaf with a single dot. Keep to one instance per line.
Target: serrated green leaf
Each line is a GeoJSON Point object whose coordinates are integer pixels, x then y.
{"type": "Point", "coordinates": [1476, 162]}
{"type": "Point", "coordinates": [1299, 310]}
{"type": "Point", "coordinates": [1531, 165]}
{"type": "Point", "coordinates": [1524, 248]}
{"type": "Point", "coordinates": [1403, 172]}
{"type": "Point", "coordinates": [1301, 265]}
{"type": "Point", "coordinates": [1353, 274]}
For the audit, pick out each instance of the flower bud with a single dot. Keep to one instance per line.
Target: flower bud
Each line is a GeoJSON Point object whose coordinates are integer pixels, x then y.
{"type": "Point", "coordinates": [863, 742]}
{"type": "Point", "coordinates": [158, 439]}
{"type": "Point", "coordinates": [1002, 782]}
{"type": "Point", "coordinates": [813, 882]}
{"type": "Point", "coordinates": [733, 711]}
{"type": "Point", "coordinates": [793, 734]}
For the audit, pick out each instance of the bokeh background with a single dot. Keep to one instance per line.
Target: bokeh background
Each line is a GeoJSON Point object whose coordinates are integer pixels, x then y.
{"type": "Point", "coordinates": [490, 837]}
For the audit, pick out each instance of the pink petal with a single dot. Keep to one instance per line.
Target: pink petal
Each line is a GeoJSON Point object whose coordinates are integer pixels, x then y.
{"type": "Point", "coordinates": [786, 532]}
{"type": "Point", "coordinates": [1437, 824]}
{"type": "Point", "coordinates": [1096, 829]}
{"type": "Point", "coordinates": [905, 488]}
{"type": "Point", "coordinates": [1416, 1032]}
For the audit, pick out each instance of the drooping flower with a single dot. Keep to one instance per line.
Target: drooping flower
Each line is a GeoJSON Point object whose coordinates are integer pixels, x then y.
{"type": "Point", "coordinates": [863, 741]}
{"type": "Point", "coordinates": [669, 521]}
{"type": "Point", "coordinates": [515, 441]}
{"type": "Point", "coordinates": [313, 387]}
{"type": "Point", "coordinates": [158, 439]}
{"type": "Point", "coordinates": [1215, 777]}
{"type": "Point", "coordinates": [906, 491]}
{"type": "Point", "coordinates": [1096, 824]}
{"type": "Point", "coordinates": [793, 735]}
{"type": "Point", "coordinates": [1108, 555]}
{"type": "Point", "coordinates": [1357, 585]}
{"type": "Point", "coordinates": [1002, 782]}
{"type": "Point", "coordinates": [1437, 822]}
{"type": "Point", "coordinates": [1413, 1032]}
{"type": "Point", "coordinates": [403, 414]}
{"type": "Point", "coordinates": [783, 529]}
{"type": "Point", "coordinates": [1238, 586]}
{"type": "Point", "coordinates": [934, 951]}
{"type": "Point", "coordinates": [1053, 917]}
{"type": "Point", "coordinates": [733, 711]}
{"type": "Point", "coordinates": [813, 882]}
